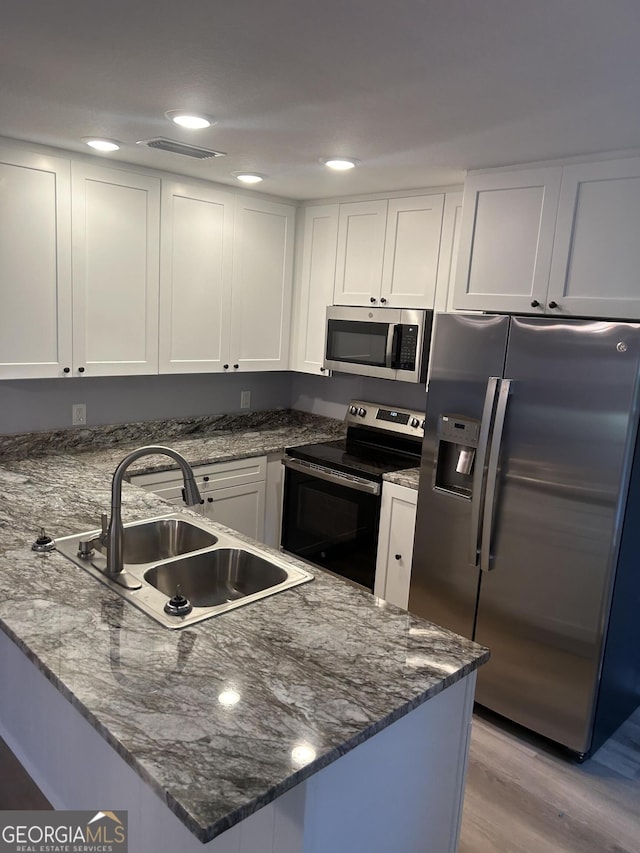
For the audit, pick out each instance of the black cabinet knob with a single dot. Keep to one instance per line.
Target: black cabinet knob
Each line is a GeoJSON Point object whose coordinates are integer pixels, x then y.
{"type": "Point", "coordinates": [236, 366]}
{"type": "Point", "coordinates": [202, 501]}
{"type": "Point", "coordinates": [398, 556]}
{"type": "Point", "coordinates": [81, 370]}
{"type": "Point", "coordinates": [210, 500]}
{"type": "Point", "coordinates": [322, 369]}
{"type": "Point", "coordinates": [67, 370]}
{"type": "Point", "coordinates": [372, 300]}
{"type": "Point", "coordinates": [534, 303]}
{"type": "Point", "coordinates": [383, 300]}
{"type": "Point", "coordinates": [553, 305]}
{"type": "Point", "coordinates": [226, 366]}
{"type": "Point", "coordinates": [206, 479]}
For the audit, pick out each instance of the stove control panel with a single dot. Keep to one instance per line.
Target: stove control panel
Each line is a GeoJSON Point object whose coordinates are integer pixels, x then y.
{"type": "Point", "coordinates": [385, 418]}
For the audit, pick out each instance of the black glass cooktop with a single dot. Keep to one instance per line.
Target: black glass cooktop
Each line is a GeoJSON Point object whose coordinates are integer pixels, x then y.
{"type": "Point", "coordinates": [355, 458]}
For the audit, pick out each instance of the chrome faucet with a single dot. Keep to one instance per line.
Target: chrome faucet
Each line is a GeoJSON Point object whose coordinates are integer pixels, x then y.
{"type": "Point", "coordinates": [115, 534]}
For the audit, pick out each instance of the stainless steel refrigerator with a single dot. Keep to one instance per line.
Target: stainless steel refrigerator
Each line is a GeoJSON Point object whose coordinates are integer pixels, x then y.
{"type": "Point", "coordinates": [528, 526]}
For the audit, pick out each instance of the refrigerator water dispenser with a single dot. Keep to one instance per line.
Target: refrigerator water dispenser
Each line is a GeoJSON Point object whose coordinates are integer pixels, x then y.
{"type": "Point", "coordinates": [455, 456]}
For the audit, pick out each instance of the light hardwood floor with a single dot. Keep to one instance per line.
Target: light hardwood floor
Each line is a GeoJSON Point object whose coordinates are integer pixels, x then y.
{"type": "Point", "coordinates": [521, 797]}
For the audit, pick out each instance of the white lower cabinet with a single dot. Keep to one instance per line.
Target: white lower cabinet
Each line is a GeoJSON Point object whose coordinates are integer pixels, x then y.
{"type": "Point", "coordinates": [239, 507]}
{"type": "Point", "coordinates": [395, 543]}
{"type": "Point", "coordinates": [233, 493]}
{"type": "Point", "coordinates": [273, 506]}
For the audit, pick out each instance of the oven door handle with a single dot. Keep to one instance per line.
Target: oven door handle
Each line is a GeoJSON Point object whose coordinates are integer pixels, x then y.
{"type": "Point", "coordinates": [337, 477]}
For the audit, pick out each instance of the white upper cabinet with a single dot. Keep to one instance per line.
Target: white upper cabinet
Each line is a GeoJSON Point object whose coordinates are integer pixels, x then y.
{"type": "Point", "coordinates": [116, 226]}
{"type": "Point", "coordinates": [506, 240]}
{"type": "Point", "coordinates": [361, 233]}
{"type": "Point", "coordinates": [314, 287]}
{"type": "Point", "coordinates": [262, 283]}
{"type": "Point", "coordinates": [35, 266]}
{"type": "Point", "coordinates": [411, 251]}
{"type": "Point", "coordinates": [388, 252]}
{"type": "Point", "coordinates": [596, 256]}
{"type": "Point", "coordinates": [556, 241]}
{"type": "Point", "coordinates": [449, 245]}
{"type": "Point", "coordinates": [195, 278]}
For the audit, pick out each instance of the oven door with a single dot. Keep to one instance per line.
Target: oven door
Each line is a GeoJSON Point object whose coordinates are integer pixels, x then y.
{"type": "Point", "coordinates": [331, 519]}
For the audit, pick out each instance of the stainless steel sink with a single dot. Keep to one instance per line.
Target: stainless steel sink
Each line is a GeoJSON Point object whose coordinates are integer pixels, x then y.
{"type": "Point", "coordinates": [216, 572]}
{"type": "Point", "coordinates": [216, 577]}
{"type": "Point", "coordinates": [162, 539]}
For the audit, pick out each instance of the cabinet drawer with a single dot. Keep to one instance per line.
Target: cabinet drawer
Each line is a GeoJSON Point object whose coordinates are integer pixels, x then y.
{"type": "Point", "coordinates": [233, 473]}
{"type": "Point", "coordinates": [216, 475]}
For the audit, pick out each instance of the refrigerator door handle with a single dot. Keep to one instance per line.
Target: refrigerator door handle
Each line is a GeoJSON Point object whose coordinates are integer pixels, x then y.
{"type": "Point", "coordinates": [492, 475]}
{"type": "Point", "coordinates": [477, 494]}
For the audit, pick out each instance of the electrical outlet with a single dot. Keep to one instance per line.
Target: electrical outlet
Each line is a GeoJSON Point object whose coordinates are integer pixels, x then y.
{"type": "Point", "coordinates": [78, 414]}
{"type": "Point", "coordinates": [245, 400]}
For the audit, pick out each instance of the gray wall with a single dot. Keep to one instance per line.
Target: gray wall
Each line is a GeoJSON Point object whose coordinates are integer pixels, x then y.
{"type": "Point", "coordinates": [42, 404]}
{"type": "Point", "coordinates": [329, 395]}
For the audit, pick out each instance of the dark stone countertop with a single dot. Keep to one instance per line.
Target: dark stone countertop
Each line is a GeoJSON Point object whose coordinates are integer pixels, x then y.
{"type": "Point", "coordinates": [323, 666]}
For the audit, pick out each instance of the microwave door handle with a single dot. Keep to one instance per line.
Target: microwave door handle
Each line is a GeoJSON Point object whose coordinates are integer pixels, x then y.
{"type": "Point", "coordinates": [392, 345]}
{"type": "Point", "coordinates": [479, 471]}
{"type": "Point", "coordinates": [492, 475]}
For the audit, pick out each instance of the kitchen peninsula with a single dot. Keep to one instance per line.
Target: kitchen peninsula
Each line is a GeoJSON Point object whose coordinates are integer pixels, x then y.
{"type": "Point", "coordinates": [317, 719]}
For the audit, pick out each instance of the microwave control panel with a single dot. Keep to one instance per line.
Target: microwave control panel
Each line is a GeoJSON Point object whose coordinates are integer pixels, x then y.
{"type": "Point", "coordinates": [406, 347]}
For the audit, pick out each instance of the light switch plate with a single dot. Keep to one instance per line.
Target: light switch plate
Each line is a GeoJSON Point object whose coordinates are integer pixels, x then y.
{"type": "Point", "coordinates": [245, 400]}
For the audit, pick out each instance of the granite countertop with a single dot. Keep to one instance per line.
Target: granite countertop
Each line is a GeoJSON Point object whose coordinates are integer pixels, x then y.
{"type": "Point", "coordinates": [410, 478]}
{"type": "Point", "coordinates": [200, 440]}
{"type": "Point", "coordinates": [314, 671]}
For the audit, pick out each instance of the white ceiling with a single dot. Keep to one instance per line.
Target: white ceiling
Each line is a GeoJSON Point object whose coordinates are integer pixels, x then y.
{"type": "Point", "coordinates": [418, 90]}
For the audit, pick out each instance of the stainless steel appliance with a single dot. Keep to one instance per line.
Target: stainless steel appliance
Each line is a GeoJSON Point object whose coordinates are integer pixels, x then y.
{"type": "Point", "coordinates": [527, 534]}
{"type": "Point", "coordinates": [389, 343]}
{"type": "Point", "coordinates": [332, 490]}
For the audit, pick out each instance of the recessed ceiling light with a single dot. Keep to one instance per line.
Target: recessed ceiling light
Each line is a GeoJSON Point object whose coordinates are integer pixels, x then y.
{"type": "Point", "coordinates": [248, 177]}
{"type": "Point", "coordinates": [103, 145]}
{"type": "Point", "coordinates": [192, 121]}
{"type": "Point", "coordinates": [339, 164]}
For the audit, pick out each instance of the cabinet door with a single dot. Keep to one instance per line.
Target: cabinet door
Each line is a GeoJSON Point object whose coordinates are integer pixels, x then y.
{"type": "Point", "coordinates": [596, 254]}
{"type": "Point", "coordinates": [238, 507]}
{"type": "Point", "coordinates": [116, 229]}
{"type": "Point", "coordinates": [449, 245]}
{"type": "Point", "coordinates": [361, 232]}
{"type": "Point", "coordinates": [314, 287]}
{"type": "Point", "coordinates": [273, 500]}
{"type": "Point", "coordinates": [508, 222]}
{"type": "Point", "coordinates": [35, 266]}
{"type": "Point", "coordinates": [395, 544]}
{"type": "Point", "coordinates": [412, 248]}
{"type": "Point", "coordinates": [262, 283]}
{"type": "Point", "coordinates": [195, 278]}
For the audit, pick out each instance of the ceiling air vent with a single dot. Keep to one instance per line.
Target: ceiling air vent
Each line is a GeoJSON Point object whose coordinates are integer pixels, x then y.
{"type": "Point", "coordinates": [180, 148]}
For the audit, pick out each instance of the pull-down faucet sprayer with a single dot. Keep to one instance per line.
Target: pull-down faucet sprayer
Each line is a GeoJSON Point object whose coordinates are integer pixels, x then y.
{"type": "Point", "coordinates": [115, 533]}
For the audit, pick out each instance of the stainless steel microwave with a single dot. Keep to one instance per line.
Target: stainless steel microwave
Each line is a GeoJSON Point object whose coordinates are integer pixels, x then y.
{"type": "Point", "coordinates": [389, 343]}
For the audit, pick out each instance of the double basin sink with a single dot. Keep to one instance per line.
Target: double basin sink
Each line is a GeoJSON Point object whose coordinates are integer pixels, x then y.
{"type": "Point", "coordinates": [172, 556]}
